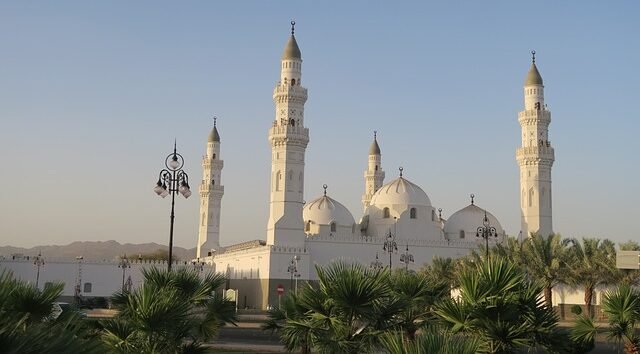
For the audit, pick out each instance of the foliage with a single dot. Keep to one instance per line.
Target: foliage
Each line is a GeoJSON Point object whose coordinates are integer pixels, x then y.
{"type": "Point", "coordinates": [592, 263]}
{"type": "Point", "coordinates": [501, 308]}
{"type": "Point", "coordinates": [172, 312]}
{"type": "Point", "coordinates": [576, 310]}
{"type": "Point", "coordinates": [26, 325]}
{"type": "Point", "coordinates": [546, 260]}
{"type": "Point", "coordinates": [431, 341]}
{"type": "Point", "coordinates": [157, 255]}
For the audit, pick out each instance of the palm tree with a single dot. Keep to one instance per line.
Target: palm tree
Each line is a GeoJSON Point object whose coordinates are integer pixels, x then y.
{"type": "Point", "coordinates": [442, 270]}
{"type": "Point", "coordinates": [501, 308]}
{"type": "Point", "coordinates": [545, 260]}
{"type": "Point", "coordinates": [27, 327]}
{"type": "Point", "coordinates": [591, 264]}
{"type": "Point", "coordinates": [622, 307]}
{"type": "Point", "coordinates": [417, 294]}
{"type": "Point", "coordinates": [429, 342]}
{"type": "Point", "coordinates": [172, 312]}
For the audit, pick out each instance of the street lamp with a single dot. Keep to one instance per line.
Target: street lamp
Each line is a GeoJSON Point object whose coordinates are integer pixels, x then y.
{"type": "Point", "coordinates": [171, 180]}
{"type": "Point", "coordinates": [390, 246]}
{"type": "Point", "coordinates": [293, 270]}
{"type": "Point", "coordinates": [124, 264]}
{"type": "Point", "coordinates": [406, 258]}
{"type": "Point", "coordinates": [486, 231]}
{"type": "Point", "coordinates": [376, 265]}
{"type": "Point", "coordinates": [38, 262]}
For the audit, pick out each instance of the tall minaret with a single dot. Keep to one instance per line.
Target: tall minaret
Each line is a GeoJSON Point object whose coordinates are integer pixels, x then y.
{"type": "Point", "coordinates": [211, 191]}
{"type": "Point", "coordinates": [374, 175]}
{"type": "Point", "coordinates": [535, 158]}
{"type": "Point", "coordinates": [289, 139]}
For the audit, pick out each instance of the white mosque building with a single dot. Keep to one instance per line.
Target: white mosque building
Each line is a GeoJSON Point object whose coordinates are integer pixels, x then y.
{"type": "Point", "coordinates": [400, 226]}
{"type": "Point", "coordinates": [398, 214]}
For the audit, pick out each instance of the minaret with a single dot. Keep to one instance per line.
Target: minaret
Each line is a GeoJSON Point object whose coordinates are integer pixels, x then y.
{"type": "Point", "coordinates": [289, 139]}
{"type": "Point", "coordinates": [211, 191]}
{"type": "Point", "coordinates": [535, 158]}
{"type": "Point", "coordinates": [374, 175]}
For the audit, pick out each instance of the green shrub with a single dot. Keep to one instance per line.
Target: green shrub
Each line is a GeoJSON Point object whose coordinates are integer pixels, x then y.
{"type": "Point", "coordinates": [576, 310]}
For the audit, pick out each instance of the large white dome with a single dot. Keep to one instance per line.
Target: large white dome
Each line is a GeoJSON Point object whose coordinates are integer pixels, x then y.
{"type": "Point", "coordinates": [468, 219]}
{"type": "Point", "coordinates": [400, 192]}
{"type": "Point", "coordinates": [325, 210]}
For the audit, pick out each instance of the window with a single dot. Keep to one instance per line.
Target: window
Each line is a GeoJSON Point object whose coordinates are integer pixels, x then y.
{"type": "Point", "coordinates": [203, 219]}
{"type": "Point", "coordinates": [413, 213]}
{"type": "Point", "coordinates": [385, 213]}
{"type": "Point", "coordinates": [214, 156]}
{"type": "Point", "coordinates": [333, 227]}
{"type": "Point", "coordinates": [376, 167]}
{"type": "Point", "coordinates": [87, 287]}
{"type": "Point", "coordinates": [278, 178]}
{"type": "Point", "coordinates": [293, 82]}
{"type": "Point", "coordinates": [433, 215]}
{"type": "Point", "coordinates": [307, 226]}
{"type": "Point", "coordinates": [461, 233]}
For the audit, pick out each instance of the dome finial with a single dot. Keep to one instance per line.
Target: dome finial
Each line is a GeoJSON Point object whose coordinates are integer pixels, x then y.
{"type": "Point", "coordinates": [293, 27]}
{"type": "Point", "coordinates": [472, 197]}
{"type": "Point", "coordinates": [533, 56]}
{"type": "Point", "coordinates": [375, 135]}
{"type": "Point", "coordinates": [324, 186]}
{"type": "Point", "coordinates": [401, 169]}
{"type": "Point", "coordinates": [214, 121]}
{"type": "Point", "coordinates": [440, 213]}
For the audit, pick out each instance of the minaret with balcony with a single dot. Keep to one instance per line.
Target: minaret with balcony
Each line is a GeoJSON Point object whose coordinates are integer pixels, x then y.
{"type": "Point", "coordinates": [288, 138]}
{"type": "Point", "coordinates": [374, 175]}
{"type": "Point", "coordinates": [211, 192]}
{"type": "Point", "coordinates": [535, 158]}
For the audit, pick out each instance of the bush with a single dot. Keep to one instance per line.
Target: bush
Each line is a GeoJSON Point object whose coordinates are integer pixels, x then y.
{"type": "Point", "coordinates": [576, 310]}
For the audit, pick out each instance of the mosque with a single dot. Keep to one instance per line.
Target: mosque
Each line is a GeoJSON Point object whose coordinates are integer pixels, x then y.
{"type": "Point", "coordinates": [400, 227]}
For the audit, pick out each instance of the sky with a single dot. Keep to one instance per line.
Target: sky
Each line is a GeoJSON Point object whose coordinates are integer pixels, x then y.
{"type": "Point", "coordinates": [93, 94]}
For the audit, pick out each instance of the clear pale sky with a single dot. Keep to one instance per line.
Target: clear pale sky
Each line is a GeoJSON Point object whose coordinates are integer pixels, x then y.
{"type": "Point", "coordinates": [92, 95]}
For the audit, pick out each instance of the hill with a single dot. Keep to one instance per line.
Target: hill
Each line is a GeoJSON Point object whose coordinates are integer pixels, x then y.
{"type": "Point", "coordinates": [97, 250]}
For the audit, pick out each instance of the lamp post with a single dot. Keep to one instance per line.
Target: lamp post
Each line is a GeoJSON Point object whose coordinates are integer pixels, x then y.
{"type": "Point", "coordinates": [124, 264]}
{"type": "Point", "coordinates": [38, 262]}
{"type": "Point", "coordinates": [390, 246]}
{"type": "Point", "coordinates": [486, 231]}
{"type": "Point", "coordinates": [293, 270]}
{"type": "Point", "coordinates": [376, 265]}
{"type": "Point", "coordinates": [406, 258]}
{"type": "Point", "coordinates": [172, 180]}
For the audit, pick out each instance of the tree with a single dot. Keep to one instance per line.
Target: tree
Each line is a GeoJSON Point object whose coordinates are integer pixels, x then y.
{"type": "Point", "coordinates": [171, 312]}
{"type": "Point", "coordinates": [592, 263]}
{"type": "Point", "coordinates": [431, 341]}
{"type": "Point", "coordinates": [501, 308]}
{"type": "Point", "coordinates": [26, 324]}
{"type": "Point", "coordinates": [545, 260]}
{"type": "Point", "coordinates": [442, 270]}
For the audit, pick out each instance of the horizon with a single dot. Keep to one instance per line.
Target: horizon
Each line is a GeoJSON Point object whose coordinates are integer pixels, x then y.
{"type": "Point", "coordinates": [95, 94]}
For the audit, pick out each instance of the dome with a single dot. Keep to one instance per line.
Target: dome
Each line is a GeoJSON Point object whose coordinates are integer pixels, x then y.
{"type": "Point", "coordinates": [400, 192]}
{"type": "Point", "coordinates": [469, 219]}
{"type": "Point", "coordinates": [325, 210]}
{"type": "Point", "coordinates": [214, 136]}
{"type": "Point", "coordinates": [533, 77]}
{"type": "Point", "coordinates": [291, 50]}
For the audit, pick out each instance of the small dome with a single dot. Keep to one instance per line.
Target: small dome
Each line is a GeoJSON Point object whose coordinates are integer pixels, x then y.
{"type": "Point", "coordinates": [469, 219]}
{"type": "Point", "coordinates": [214, 136]}
{"type": "Point", "coordinates": [325, 210]}
{"type": "Point", "coordinates": [400, 192]}
{"type": "Point", "coordinates": [291, 50]}
{"type": "Point", "coordinates": [533, 77]}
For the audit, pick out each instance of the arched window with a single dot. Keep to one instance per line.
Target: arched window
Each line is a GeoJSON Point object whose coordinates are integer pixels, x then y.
{"type": "Point", "coordinates": [278, 178]}
{"type": "Point", "coordinates": [413, 213]}
{"type": "Point", "coordinates": [300, 184]}
{"type": "Point", "coordinates": [87, 287]}
{"type": "Point", "coordinates": [203, 219]}
{"type": "Point", "coordinates": [214, 156]}
{"type": "Point", "coordinates": [293, 82]}
{"type": "Point", "coordinates": [293, 122]}
{"type": "Point", "coordinates": [213, 182]}
{"type": "Point", "coordinates": [461, 233]}
{"type": "Point", "coordinates": [376, 167]}
{"type": "Point", "coordinates": [307, 226]}
{"type": "Point", "coordinates": [531, 196]}
{"type": "Point", "coordinates": [433, 215]}
{"type": "Point", "coordinates": [333, 227]}
{"type": "Point", "coordinates": [385, 213]}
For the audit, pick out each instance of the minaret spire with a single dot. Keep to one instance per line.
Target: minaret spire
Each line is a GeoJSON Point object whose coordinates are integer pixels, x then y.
{"type": "Point", "coordinates": [535, 157]}
{"type": "Point", "coordinates": [211, 192]}
{"type": "Point", "coordinates": [289, 138]}
{"type": "Point", "coordinates": [374, 175]}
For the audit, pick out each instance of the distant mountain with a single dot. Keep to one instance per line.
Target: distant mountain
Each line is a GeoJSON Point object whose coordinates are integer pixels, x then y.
{"type": "Point", "coordinates": [98, 250]}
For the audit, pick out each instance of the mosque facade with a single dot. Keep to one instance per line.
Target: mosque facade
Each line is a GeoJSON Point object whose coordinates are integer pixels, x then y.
{"type": "Point", "coordinates": [399, 227]}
